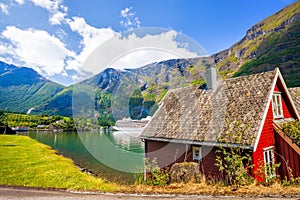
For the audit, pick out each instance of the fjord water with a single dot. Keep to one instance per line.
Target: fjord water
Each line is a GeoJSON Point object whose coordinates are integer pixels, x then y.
{"type": "Point", "coordinates": [114, 156]}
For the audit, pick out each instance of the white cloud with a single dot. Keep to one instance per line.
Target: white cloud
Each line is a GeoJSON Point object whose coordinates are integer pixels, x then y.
{"type": "Point", "coordinates": [36, 49]}
{"type": "Point", "coordinates": [20, 2]}
{"type": "Point", "coordinates": [51, 6]}
{"type": "Point", "coordinates": [56, 10]}
{"type": "Point", "coordinates": [57, 18]}
{"type": "Point", "coordinates": [129, 20]}
{"type": "Point", "coordinates": [135, 51]}
{"type": "Point", "coordinates": [91, 38]}
{"type": "Point", "coordinates": [64, 8]}
{"type": "Point", "coordinates": [4, 8]}
{"type": "Point", "coordinates": [48, 55]}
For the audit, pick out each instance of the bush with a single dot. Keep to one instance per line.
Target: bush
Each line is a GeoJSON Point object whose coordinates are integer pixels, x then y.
{"type": "Point", "coordinates": [267, 178]}
{"type": "Point", "coordinates": [233, 159]}
{"type": "Point", "coordinates": [292, 180]}
{"type": "Point", "coordinates": [154, 175]}
{"type": "Point", "coordinates": [292, 130]}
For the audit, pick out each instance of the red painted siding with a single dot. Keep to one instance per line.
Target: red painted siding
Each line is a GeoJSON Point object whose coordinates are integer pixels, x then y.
{"type": "Point", "coordinates": [166, 153]}
{"type": "Point", "coordinates": [169, 153]}
{"type": "Point", "coordinates": [266, 140]}
{"type": "Point", "coordinates": [267, 137]}
{"type": "Point", "coordinates": [288, 157]}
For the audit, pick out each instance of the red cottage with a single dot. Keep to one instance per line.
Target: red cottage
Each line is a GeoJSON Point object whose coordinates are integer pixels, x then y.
{"type": "Point", "coordinates": [191, 123]}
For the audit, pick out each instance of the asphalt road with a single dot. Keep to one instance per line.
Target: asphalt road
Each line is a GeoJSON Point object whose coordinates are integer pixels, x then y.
{"type": "Point", "coordinates": [31, 194]}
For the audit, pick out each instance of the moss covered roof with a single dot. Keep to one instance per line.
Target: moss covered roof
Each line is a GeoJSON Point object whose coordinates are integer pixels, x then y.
{"type": "Point", "coordinates": [193, 114]}
{"type": "Point", "coordinates": [295, 94]}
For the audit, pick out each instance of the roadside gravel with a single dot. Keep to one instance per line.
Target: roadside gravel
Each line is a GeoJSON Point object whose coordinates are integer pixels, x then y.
{"type": "Point", "coordinates": [32, 194]}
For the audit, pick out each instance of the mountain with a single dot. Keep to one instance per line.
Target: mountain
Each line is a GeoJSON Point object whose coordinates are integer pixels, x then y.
{"type": "Point", "coordinates": [59, 103]}
{"type": "Point", "coordinates": [145, 85]}
{"type": "Point", "coordinates": [23, 88]}
{"type": "Point", "coordinates": [273, 42]}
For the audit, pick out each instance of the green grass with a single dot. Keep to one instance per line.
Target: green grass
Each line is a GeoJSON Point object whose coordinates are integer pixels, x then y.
{"type": "Point", "coordinates": [26, 162]}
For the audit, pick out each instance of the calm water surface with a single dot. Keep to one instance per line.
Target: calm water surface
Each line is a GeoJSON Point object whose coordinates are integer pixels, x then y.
{"type": "Point", "coordinates": [115, 156]}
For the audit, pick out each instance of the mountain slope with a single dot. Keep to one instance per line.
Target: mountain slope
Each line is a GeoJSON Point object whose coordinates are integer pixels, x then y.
{"type": "Point", "coordinates": [23, 88]}
{"type": "Point", "coordinates": [273, 52]}
{"type": "Point", "coordinates": [145, 85]}
{"type": "Point", "coordinates": [58, 104]}
{"type": "Point", "coordinates": [273, 42]}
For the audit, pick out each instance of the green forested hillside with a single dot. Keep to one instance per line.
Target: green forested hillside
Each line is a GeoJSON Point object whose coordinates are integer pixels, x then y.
{"type": "Point", "coordinates": [279, 49]}
{"type": "Point", "coordinates": [37, 121]}
{"type": "Point", "coordinates": [273, 42]}
{"type": "Point", "coordinates": [24, 97]}
{"type": "Point", "coordinates": [57, 104]}
{"type": "Point", "coordinates": [23, 88]}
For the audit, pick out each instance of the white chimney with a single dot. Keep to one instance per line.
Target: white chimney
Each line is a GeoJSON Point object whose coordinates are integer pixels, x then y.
{"type": "Point", "coordinates": [211, 77]}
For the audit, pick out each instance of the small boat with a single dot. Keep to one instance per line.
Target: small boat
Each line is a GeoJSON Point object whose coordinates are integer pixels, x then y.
{"type": "Point", "coordinates": [20, 128]}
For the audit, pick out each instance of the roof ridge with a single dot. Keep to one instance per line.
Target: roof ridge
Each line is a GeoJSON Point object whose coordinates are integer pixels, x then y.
{"type": "Point", "coordinates": [270, 71]}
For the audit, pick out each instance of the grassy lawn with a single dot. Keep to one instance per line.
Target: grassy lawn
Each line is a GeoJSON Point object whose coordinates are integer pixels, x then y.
{"type": "Point", "coordinates": [26, 162]}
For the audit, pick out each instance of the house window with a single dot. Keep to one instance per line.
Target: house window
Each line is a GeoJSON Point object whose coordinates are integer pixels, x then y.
{"type": "Point", "coordinates": [197, 154]}
{"type": "Point", "coordinates": [277, 106]}
{"type": "Point", "coordinates": [269, 162]}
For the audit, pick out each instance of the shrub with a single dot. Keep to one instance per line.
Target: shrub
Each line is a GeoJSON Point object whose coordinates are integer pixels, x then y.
{"type": "Point", "coordinates": [233, 159]}
{"type": "Point", "coordinates": [265, 173]}
{"type": "Point", "coordinates": [292, 180]}
{"type": "Point", "coordinates": [154, 175]}
{"type": "Point", "coordinates": [292, 130]}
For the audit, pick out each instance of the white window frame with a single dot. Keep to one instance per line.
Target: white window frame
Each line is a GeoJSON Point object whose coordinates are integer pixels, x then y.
{"type": "Point", "coordinates": [269, 159]}
{"type": "Point", "coordinates": [277, 105]}
{"type": "Point", "coordinates": [197, 153]}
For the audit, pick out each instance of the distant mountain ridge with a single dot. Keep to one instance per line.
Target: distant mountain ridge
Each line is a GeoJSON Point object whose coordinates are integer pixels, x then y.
{"type": "Point", "coordinates": [273, 42]}
{"type": "Point", "coordinates": [23, 88]}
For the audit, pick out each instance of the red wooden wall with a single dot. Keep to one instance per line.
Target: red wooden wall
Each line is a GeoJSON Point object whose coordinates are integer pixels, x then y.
{"type": "Point", "coordinates": [288, 157]}
{"type": "Point", "coordinates": [267, 137]}
{"type": "Point", "coordinates": [169, 153]}
{"type": "Point", "coordinates": [266, 140]}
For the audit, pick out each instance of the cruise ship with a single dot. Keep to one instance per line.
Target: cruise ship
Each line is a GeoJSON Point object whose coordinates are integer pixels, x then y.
{"type": "Point", "coordinates": [128, 124]}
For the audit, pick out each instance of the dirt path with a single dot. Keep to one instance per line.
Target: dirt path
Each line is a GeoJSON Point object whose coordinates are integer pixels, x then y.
{"type": "Point", "coordinates": [31, 194]}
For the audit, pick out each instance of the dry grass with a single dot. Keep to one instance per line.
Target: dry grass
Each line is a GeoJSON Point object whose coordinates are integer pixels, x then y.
{"type": "Point", "coordinates": [205, 189]}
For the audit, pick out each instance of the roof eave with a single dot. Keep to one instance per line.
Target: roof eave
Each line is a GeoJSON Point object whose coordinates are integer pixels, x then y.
{"type": "Point", "coordinates": [269, 98]}
{"type": "Point", "coordinates": [289, 97]}
{"type": "Point", "coordinates": [193, 142]}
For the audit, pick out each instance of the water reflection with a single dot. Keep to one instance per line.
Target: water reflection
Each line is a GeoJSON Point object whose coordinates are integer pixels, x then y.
{"type": "Point", "coordinates": [118, 151]}
{"type": "Point", "coordinates": [127, 141]}
{"type": "Point", "coordinates": [112, 155]}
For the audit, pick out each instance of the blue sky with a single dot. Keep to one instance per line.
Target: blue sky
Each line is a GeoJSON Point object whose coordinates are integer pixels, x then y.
{"type": "Point", "coordinates": [55, 37]}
